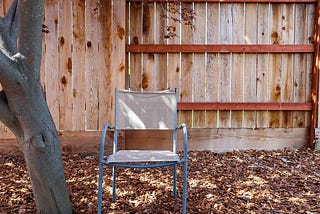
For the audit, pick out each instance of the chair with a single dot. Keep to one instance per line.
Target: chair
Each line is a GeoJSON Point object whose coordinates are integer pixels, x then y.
{"type": "Point", "coordinates": [136, 110]}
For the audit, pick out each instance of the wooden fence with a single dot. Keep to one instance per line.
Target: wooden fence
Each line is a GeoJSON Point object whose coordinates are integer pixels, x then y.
{"type": "Point", "coordinates": [244, 70]}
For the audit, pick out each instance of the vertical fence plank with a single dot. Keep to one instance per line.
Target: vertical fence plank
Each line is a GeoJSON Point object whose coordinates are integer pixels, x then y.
{"type": "Point", "coordinates": [225, 37]}
{"type": "Point", "coordinates": [212, 75]}
{"type": "Point", "coordinates": [237, 63]}
{"type": "Point", "coordinates": [51, 63]}
{"type": "Point", "coordinates": [263, 71]}
{"type": "Point", "coordinates": [186, 71]}
{"type": "Point", "coordinates": [113, 61]}
{"type": "Point", "coordinates": [136, 38]}
{"type": "Point", "coordinates": [287, 36]}
{"type": "Point", "coordinates": [275, 86]}
{"type": "Point", "coordinates": [250, 64]}
{"type": "Point", "coordinates": [149, 76]}
{"type": "Point", "coordinates": [199, 66]}
{"type": "Point", "coordinates": [173, 59]}
{"type": "Point", "coordinates": [78, 65]}
{"type": "Point", "coordinates": [160, 60]}
{"type": "Point", "coordinates": [300, 60]}
{"type": "Point", "coordinates": [91, 69]}
{"type": "Point", "coordinates": [65, 65]}
{"type": "Point", "coordinates": [311, 9]}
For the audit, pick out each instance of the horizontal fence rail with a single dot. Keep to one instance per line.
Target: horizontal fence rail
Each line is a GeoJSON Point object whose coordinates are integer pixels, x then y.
{"type": "Point", "coordinates": [252, 106]}
{"type": "Point", "coordinates": [226, 1]}
{"type": "Point", "coordinates": [220, 48]}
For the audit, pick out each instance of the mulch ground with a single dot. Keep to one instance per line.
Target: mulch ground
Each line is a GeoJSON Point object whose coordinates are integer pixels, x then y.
{"type": "Point", "coordinates": [281, 181]}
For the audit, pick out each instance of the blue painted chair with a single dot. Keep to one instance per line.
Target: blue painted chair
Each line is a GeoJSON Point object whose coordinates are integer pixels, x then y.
{"type": "Point", "coordinates": [137, 110]}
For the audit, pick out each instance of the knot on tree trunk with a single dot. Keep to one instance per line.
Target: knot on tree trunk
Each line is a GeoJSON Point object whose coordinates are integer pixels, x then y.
{"type": "Point", "coordinates": [43, 141]}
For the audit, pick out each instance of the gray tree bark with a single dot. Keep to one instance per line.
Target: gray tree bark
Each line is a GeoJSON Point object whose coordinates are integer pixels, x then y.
{"type": "Point", "coordinates": [23, 108]}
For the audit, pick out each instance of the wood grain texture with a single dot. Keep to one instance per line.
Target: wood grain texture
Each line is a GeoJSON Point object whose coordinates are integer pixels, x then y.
{"type": "Point", "coordinates": [51, 54]}
{"type": "Point", "coordinates": [187, 62]}
{"type": "Point", "coordinates": [114, 62]}
{"type": "Point", "coordinates": [199, 67]}
{"type": "Point", "coordinates": [136, 23]}
{"type": "Point", "coordinates": [78, 65]}
{"type": "Point", "coordinates": [91, 68]}
{"type": "Point", "coordinates": [65, 65]}
{"type": "Point", "coordinates": [221, 48]}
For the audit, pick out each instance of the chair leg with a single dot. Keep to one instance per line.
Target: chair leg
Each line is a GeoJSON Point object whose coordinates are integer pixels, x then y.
{"type": "Point", "coordinates": [114, 173]}
{"type": "Point", "coordinates": [185, 175]}
{"type": "Point", "coordinates": [100, 190]}
{"type": "Point", "coordinates": [175, 180]}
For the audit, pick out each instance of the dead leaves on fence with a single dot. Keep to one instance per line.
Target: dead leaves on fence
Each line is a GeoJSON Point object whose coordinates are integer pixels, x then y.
{"type": "Point", "coordinates": [282, 181]}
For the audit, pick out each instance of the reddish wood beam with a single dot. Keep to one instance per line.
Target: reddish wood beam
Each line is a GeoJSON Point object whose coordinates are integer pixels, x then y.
{"type": "Point", "coordinates": [251, 106]}
{"type": "Point", "coordinates": [315, 77]}
{"type": "Point", "coordinates": [230, 1]}
{"type": "Point", "coordinates": [151, 48]}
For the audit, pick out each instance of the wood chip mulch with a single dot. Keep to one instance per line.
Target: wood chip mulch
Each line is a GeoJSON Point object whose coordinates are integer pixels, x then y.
{"type": "Point", "coordinates": [280, 181]}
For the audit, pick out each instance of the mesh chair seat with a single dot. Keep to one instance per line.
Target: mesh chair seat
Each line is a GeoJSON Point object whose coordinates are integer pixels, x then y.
{"type": "Point", "coordinates": [143, 156]}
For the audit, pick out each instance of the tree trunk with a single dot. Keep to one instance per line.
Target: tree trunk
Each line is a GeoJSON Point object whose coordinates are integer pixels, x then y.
{"type": "Point", "coordinates": [23, 108]}
{"type": "Point", "coordinates": [41, 148]}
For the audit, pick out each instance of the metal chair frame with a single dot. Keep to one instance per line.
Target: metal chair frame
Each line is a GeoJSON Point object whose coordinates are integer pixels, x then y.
{"type": "Point", "coordinates": [143, 165]}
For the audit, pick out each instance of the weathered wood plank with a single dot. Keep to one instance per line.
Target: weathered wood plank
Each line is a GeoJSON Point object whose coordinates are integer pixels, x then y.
{"type": "Point", "coordinates": [248, 106]}
{"type": "Point", "coordinates": [311, 9]}
{"type": "Point", "coordinates": [161, 67]}
{"type": "Point", "coordinates": [114, 57]}
{"type": "Point", "coordinates": [149, 77]}
{"type": "Point", "coordinates": [212, 78]}
{"type": "Point", "coordinates": [79, 142]}
{"type": "Point", "coordinates": [186, 89]}
{"type": "Point", "coordinates": [250, 64]}
{"type": "Point", "coordinates": [173, 59]}
{"type": "Point", "coordinates": [78, 64]}
{"type": "Point", "coordinates": [199, 67]}
{"type": "Point", "coordinates": [237, 62]}
{"type": "Point", "coordinates": [225, 62]}
{"type": "Point", "coordinates": [218, 140]}
{"type": "Point", "coordinates": [275, 88]}
{"type": "Point", "coordinates": [51, 64]}
{"type": "Point", "coordinates": [212, 89]}
{"type": "Point", "coordinates": [221, 48]}
{"type": "Point", "coordinates": [287, 35]}
{"type": "Point", "coordinates": [232, 1]}
{"type": "Point", "coordinates": [136, 23]}
{"type": "Point", "coordinates": [187, 37]}
{"type": "Point", "coordinates": [300, 60]}
{"type": "Point", "coordinates": [65, 64]}
{"type": "Point", "coordinates": [314, 120]}
{"type": "Point", "coordinates": [263, 37]}
{"type": "Point", "coordinates": [222, 140]}
{"type": "Point", "coordinates": [91, 68]}
{"type": "Point", "coordinates": [275, 67]}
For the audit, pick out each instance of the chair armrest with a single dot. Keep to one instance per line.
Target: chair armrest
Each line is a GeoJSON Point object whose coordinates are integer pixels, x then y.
{"type": "Point", "coordinates": [183, 126]}
{"type": "Point", "coordinates": [105, 129]}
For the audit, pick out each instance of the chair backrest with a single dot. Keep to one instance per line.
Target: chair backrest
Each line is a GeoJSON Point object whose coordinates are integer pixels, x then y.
{"type": "Point", "coordinates": [145, 109]}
